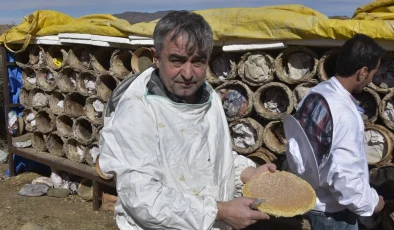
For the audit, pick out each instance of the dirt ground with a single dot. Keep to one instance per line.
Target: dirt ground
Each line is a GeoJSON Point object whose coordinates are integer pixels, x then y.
{"type": "Point", "coordinates": [53, 213]}
{"type": "Point", "coordinates": [69, 213]}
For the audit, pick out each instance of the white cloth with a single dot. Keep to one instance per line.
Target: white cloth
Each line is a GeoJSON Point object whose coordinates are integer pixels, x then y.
{"type": "Point", "coordinates": [343, 177]}
{"type": "Point", "coordinates": [172, 161]}
{"type": "Point", "coordinates": [244, 136]}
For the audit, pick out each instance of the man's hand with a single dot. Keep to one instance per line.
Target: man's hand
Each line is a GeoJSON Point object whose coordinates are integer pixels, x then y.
{"type": "Point", "coordinates": [380, 205]}
{"type": "Point", "coordinates": [238, 214]}
{"type": "Point", "coordinates": [250, 172]}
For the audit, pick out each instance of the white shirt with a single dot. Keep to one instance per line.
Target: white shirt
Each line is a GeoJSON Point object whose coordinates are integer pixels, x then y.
{"type": "Point", "coordinates": [341, 181]}
{"type": "Point", "coordinates": [172, 161]}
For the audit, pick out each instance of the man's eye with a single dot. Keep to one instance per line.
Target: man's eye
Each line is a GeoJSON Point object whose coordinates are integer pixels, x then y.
{"type": "Point", "coordinates": [199, 63]}
{"type": "Point", "coordinates": [176, 63]}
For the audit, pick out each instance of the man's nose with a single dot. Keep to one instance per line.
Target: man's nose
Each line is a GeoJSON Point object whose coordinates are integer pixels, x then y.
{"type": "Point", "coordinates": [187, 71]}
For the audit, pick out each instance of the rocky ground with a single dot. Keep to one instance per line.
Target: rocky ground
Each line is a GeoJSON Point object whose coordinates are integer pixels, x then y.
{"type": "Point", "coordinates": [19, 212]}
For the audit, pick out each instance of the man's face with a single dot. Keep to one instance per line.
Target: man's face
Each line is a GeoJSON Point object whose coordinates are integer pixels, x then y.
{"type": "Point", "coordinates": [181, 73]}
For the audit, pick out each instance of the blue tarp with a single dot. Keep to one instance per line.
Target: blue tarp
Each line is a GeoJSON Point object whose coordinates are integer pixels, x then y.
{"type": "Point", "coordinates": [15, 79]}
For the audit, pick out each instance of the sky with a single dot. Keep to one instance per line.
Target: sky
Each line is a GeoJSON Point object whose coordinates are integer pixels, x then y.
{"type": "Point", "coordinates": [12, 11]}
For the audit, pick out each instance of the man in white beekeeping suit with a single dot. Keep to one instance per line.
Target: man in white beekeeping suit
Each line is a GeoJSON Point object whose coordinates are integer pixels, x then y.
{"type": "Point", "coordinates": [166, 140]}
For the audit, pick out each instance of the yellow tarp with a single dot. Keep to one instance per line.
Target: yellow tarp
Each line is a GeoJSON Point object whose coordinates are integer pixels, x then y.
{"type": "Point", "coordinates": [280, 22]}
{"type": "Point", "coordinates": [378, 10]}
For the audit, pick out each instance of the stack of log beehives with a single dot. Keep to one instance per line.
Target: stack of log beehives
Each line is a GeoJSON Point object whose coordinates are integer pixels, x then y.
{"type": "Point", "coordinates": [64, 93]}
{"type": "Point", "coordinates": [65, 90]}
{"type": "Point", "coordinates": [259, 88]}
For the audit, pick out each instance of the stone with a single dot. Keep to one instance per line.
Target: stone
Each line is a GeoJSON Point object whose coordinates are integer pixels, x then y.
{"type": "Point", "coordinates": [33, 190]}
{"type": "Point", "coordinates": [58, 192]}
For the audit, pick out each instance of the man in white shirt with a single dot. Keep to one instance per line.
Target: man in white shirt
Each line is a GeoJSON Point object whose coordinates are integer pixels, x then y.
{"type": "Point", "coordinates": [335, 162]}
{"type": "Point", "coordinates": [166, 140]}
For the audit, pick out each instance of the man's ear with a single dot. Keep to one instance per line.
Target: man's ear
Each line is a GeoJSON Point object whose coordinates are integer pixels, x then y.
{"type": "Point", "coordinates": [155, 55]}
{"type": "Point", "coordinates": [362, 74]}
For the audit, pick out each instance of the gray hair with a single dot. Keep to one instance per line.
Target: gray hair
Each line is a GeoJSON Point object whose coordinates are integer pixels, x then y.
{"type": "Point", "coordinates": [188, 24]}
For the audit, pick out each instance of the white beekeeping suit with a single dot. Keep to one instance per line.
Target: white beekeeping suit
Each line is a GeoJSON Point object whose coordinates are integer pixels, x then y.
{"type": "Point", "coordinates": [341, 180]}
{"type": "Point", "coordinates": [172, 161]}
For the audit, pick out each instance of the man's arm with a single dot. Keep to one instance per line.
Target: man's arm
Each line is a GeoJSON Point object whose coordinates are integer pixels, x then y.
{"type": "Point", "coordinates": [347, 177]}
{"type": "Point", "coordinates": [241, 163]}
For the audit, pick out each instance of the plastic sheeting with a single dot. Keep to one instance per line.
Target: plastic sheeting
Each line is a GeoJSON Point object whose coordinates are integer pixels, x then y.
{"type": "Point", "coordinates": [258, 67]}
{"type": "Point", "coordinates": [299, 64]}
{"type": "Point", "coordinates": [384, 77]}
{"type": "Point", "coordinates": [234, 102]}
{"type": "Point", "coordinates": [274, 100]}
{"type": "Point", "coordinates": [375, 146]}
{"type": "Point", "coordinates": [279, 22]}
{"type": "Point", "coordinates": [389, 110]}
{"type": "Point", "coordinates": [243, 135]}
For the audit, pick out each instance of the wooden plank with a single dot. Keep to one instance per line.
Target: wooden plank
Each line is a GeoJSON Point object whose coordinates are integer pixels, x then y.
{"type": "Point", "coordinates": [97, 194]}
{"type": "Point", "coordinates": [63, 164]}
{"type": "Point", "coordinates": [4, 72]}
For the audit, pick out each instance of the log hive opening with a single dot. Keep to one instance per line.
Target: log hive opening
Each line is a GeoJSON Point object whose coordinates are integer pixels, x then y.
{"type": "Point", "coordinates": [24, 98]}
{"type": "Point", "coordinates": [22, 58]}
{"type": "Point", "coordinates": [103, 175]}
{"type": "Point", "coordinates": [141, 59]}
{"type": "Point", "coordinates": [224, 65]}
{"type": "Point", "coordinates": [56, 102]}
{"type": "Point", "coordinates": [377, 143]}
{"type": "Point", "coordinates": [274, 137]}
{"type": "Point", "coordinates": [55, 144]}
{"type": "Point", "coordinates": [79, 58]}
{"type": "Point", "coordinates": [368, 100]}
{"type": "Point", "coordinates": [55, 57]}
{"type": "Point", "coordinates": [327, 64]}
{"type": "Point", "coordinates": [247, 135]}
{"type": "Point", "coordinates": [29, 118]}
{"type": "Point", "coordinates": [383, 81]}
{"type": "Point", "coordinates": [46, 79]}
{"type": "Point", "coordinates": [36, 56]}
{"type": "Point", "coordinates": [301, 90]}
{"type": "Point", "coordinates": [22, 141]}
{"type": "Point", "coordinates": [386, 110]}
{"type": "Point", "coordinates": [105, 85]}
{"type": "Point", "coordinates": [64, 124]}
{"type": "Point", "coordinates": [73, 104]}
{"type": "Point", "coordinates": [90, 151]}
{"type": "Point", "coordinates": [74, 151]}
{"type": "Point", "coordinates": [84, 131]}
{"type": "Point", "coordinates": [45, 121]}
{"type": "Point", "coordinates": [262, 156]}
{"type": "Point", "coordinates": [120, 63]}
{"type": "Point", "coordinates": [256, 68]}
{"type": "Point", "coordinates": [101, 60]}
{"type": "Point", "coordinates": [94, 109]}
{"type": "Point", "coordinates": [382, 180]}
{"type": "Point", "coordinates": [295, 65]}
{"type": "Point", "coordinates": [86, 83]}
{"type": "Point", "coordinates": [67, 79]}
{"type": "Point", "coordinates": [39, 141]}
{"type": "Point", "coordinates": [29, 78]}
{"type": "Point", "coordinates": [237, 99]}
{"type": "Point", "coordinates": [212, 78]}
{"type": "Point", "coordinates": [273, 101]}
{"type": "Point", "coordinates": [38, 98]}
